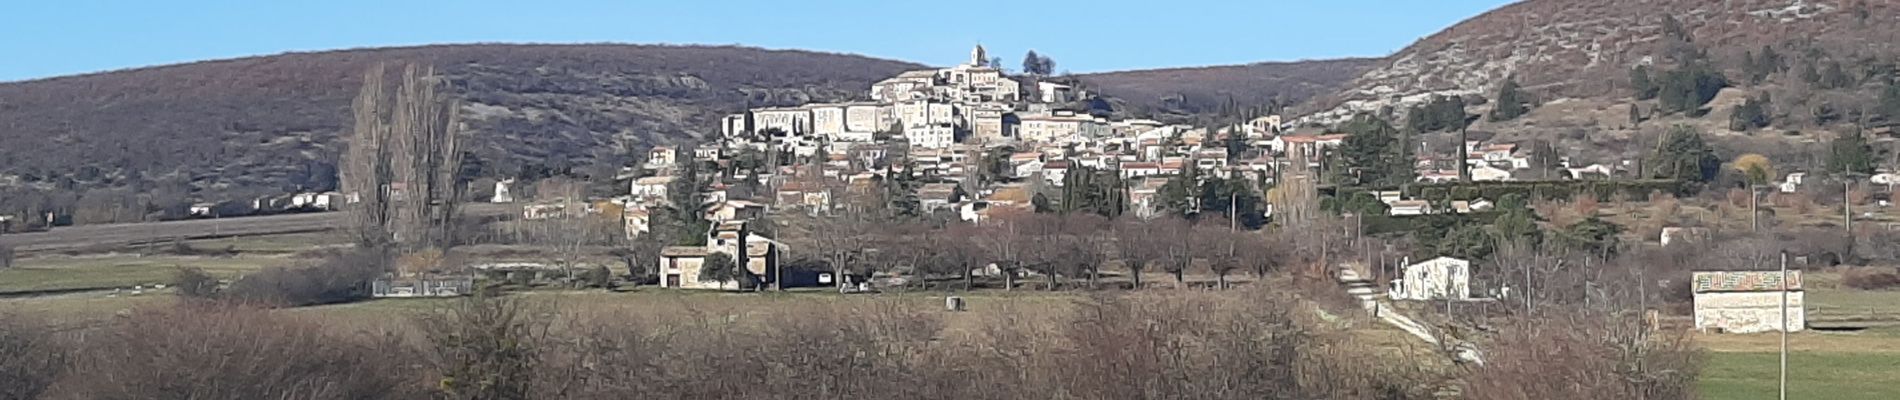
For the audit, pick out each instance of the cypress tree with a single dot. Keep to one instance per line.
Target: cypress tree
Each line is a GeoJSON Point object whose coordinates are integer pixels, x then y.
{"type": "Point", "coordinates": [1851, 154]}
{"type": "Point", "coordinates": [1510, 103]}
{"type": "Point", "coordinates": [1641, 84]}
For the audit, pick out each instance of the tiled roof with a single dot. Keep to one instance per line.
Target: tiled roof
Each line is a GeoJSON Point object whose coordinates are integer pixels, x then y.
{"type": "Point", "coordinates": [683, 251]}
{"type": "Point", "coordinates": [1744, 281]}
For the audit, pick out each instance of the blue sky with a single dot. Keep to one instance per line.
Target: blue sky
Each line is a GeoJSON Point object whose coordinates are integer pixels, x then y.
{"type": "Point", "coordinates": [43, 38]}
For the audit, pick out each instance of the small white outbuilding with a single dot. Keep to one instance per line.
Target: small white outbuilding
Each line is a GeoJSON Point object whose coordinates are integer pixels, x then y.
{"type": "Point", "coordinates": [1435, 279]}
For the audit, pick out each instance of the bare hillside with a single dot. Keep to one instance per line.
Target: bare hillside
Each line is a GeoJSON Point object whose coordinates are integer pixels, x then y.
{"type": "Point", "coordinates": [1585, 48]}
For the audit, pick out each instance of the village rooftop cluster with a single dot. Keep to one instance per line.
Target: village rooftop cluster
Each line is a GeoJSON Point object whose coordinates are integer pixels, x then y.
{"type": "Point", "coordinates": [980, 141]}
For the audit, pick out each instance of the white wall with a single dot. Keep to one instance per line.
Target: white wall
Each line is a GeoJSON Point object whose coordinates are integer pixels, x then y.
{"type": "Point", "coordinates": [1438, 278]}
{"type": "Point", "coordinates": [1748, 312]}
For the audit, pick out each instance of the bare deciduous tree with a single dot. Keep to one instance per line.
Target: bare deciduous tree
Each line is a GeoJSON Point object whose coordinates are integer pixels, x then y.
{"type": "Point", "coordinates": [6, 256]}
{"type": "Point", "coordinates": [31, 360]}
{"type": "Point", "coordinates": [403, 162]}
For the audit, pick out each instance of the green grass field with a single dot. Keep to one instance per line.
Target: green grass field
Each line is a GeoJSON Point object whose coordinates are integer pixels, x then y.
{"type": "Point", "coordinates": [1822, 365]}
{"type": "Point", "coordinates": [115, 271]}
{"type": "Point", "coordinates": [52, 272]}
{"type": "Point", "coordinates": [1811, 375]}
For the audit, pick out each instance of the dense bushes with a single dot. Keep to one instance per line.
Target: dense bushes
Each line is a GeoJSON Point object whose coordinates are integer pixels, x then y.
{"type": "Point", "coordinates": [1226, 345]}
{"type": "Point", "coordinates": [193, 283]}
{"type": "Point", "coordinates": [1871, 278]}
{"type": "Point", "coordinates": [1587, 355]}
{"type": "Point", "coordinates": [31, 359]}
{"type": "Point", "coordinates": [233, 353]}
{"type": "Point", "coordinates": [338, 278]}
{"type": "Point", "coordinates": [1548, 190]}
{"type": "Point", "coordinates": [1231, 346]}
{"type": "Point", "coordinates": [1244, 344]}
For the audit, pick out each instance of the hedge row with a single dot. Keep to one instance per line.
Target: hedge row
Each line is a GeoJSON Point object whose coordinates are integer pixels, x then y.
{"type": "Point", "coordinates": [1639, 190]}
{"type": "Point", "coordinates": [1379, 225]}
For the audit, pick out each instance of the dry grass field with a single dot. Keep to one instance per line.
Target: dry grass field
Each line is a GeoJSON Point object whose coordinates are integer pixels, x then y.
{"type": "Point", "coordinates": [130, 266]}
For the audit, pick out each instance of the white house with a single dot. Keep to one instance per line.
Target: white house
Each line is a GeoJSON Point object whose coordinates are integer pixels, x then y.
{"type": "Point", "coordinates": [1488, 173]}
{"type": "Point", "coordinates": [1885, 178]}
{"type": "Point", "coordinates": [934, 136]}
{"type": "Point", "coordinates": [501, 192]}
{"type": "Point", "coordinates": [636, 221]}
{"type": "Point", "coordinates": [1027, 169]}
{"type": "Point", "coordinates": [1589, 171]}
{"type": "Point", "coordinates": [1051, 92]}
{"type": "Point", "coordinates": [679, 266]}
{"type": "Point", "coordinates": [1055, 171]}
{"type": "Point", "coordinates": [1435, 279]}
{"type": "Point", "coordinates": [652, 187]}
{"type": "Point", "coordinates": [1132, 170]}
{"type": "Point", "coordinates": [1748, 301]}
{"type": "Point", "coordinates": [1061, 125]}
{"type": "Point", "coordinates": [1409, 207]}
{"type": "Point", "coordinates": [1437, 176]}
{"type": "Point", "coordinates": [661, 157]}
{"type": "Point", "coordinates": [315, 201]}
{"type": "Point", "coordinates": [1310, 147]}
{"type": "Point", "coordinates": [1793, 182]}
{"type": "Point", "coordinates": [1676, 234]}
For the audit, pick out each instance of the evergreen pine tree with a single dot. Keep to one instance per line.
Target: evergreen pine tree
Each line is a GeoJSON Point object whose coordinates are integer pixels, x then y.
{"type": "Point", "coordinates": [1685, 157]}
{"type": "Point", "coordinates": [1851, 154]}
{"type": "Point", "coordinates": [1640, 83]}
{"type": "Point", "coordinates": [1373, 153]}
{"type": "Point", "coordinates": [1510, 102]}
{"type": "Point", "coordinates": [1032, 63]}
{"type": "Point", "coordinates": [1748, 116]}
{"type": "Point", "coordinates": [1889, 103]}
{"type": "Point", "coordinates": [1688, 88]}
{"type": "Point", "coordinates": [1836, 77]}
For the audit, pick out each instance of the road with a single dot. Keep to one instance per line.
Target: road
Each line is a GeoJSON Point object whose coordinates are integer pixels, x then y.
{"type": "Point", "coordinates": [82, 236]}
{"type": "Point", "coordinates": [75, 237]}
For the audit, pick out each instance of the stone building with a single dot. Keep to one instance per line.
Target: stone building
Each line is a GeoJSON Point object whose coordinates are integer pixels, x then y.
{"type": "Point", "coordinates": [1747, 301]}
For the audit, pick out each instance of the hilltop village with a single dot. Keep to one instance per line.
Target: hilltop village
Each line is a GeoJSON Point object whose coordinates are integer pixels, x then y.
{"type": "Point", "coordinates": [969, 141]}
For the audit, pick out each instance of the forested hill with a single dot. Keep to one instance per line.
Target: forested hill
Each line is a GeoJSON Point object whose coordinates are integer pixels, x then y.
{"type": "Point", "coordinates": [267, 124]}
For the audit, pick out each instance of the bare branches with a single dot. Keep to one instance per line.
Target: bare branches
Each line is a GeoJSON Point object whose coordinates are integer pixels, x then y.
{"type": "Point", "coordinates": [31, 359]}
{"type": "Point", "coordinates": [403, 162]}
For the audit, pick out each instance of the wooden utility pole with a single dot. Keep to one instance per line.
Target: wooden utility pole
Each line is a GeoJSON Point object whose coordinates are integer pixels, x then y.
{"type": "Point", "coordinates": [1754, 217]}
{"type": "Point", "coordinates": [1233, 212]}
{"type": "Point", "coordinates": [1784, 325]}
{"type": "Point", "coordinates": [1847, 205]}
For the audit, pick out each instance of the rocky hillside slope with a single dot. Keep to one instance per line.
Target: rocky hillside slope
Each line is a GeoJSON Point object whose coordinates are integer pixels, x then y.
{"type": "Point", "coordinates": [1204, 89]}
{"type": "Point", "coordinates": [272, 123]}
{"type": "Point", "coordinates": [1584, 49]}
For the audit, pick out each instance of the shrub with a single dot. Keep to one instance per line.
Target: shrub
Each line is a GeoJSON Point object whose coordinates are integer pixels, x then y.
{"type": "Point", "coordinates": [486, 348]}
{"type": "Point", "coordinates": [194, 283]}
{"type": "Point", "coordinates": [1587, 355]}
{"type": "Point", "coordinates": [180, 248]}
{"type": "Point", "coordinates": [31, 359]}
{"type": "Point", "coordinates": [1871, 278]}
{"type": "Point", "coordinates": [218, 352]}
{"type": "Point", "coordinates": [598, 277]}
{"type": "Point", "coordinates": [341, 278]}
